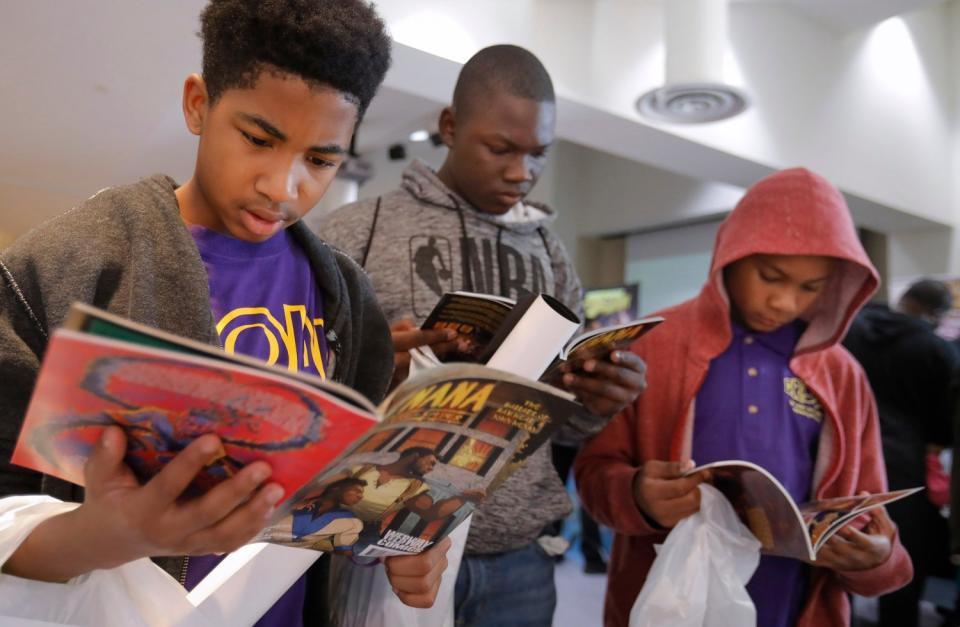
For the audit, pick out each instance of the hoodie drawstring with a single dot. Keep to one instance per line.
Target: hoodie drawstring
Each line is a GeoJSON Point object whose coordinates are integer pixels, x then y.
{"type": "Point", "coordinates": [373, 229]}
{"type": "Point", "coordinates": [503, 286]}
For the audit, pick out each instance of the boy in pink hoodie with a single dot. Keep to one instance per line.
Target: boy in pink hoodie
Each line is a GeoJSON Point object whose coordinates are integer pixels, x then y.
{"type": "Point", "coordinates": [752, 369]}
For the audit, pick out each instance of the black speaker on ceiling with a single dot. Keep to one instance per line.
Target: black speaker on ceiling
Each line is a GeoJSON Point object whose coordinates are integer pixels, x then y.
{"type": "Point", "coordinates": [397, 152]}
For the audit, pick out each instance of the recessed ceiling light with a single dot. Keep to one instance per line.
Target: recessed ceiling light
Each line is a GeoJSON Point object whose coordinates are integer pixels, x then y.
{"type": "Point", "coordinates": [694, 89]}
{"type": "Point", "coordinates": [420, 136]}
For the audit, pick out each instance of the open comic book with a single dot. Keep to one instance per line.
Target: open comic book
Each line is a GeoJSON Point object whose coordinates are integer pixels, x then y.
{"type": "Point", "coordinates": [356, 479]}
{"type": "Point", "coordinates": [522, 336]}
{"type": "Point", "coordinates": [782, 526]}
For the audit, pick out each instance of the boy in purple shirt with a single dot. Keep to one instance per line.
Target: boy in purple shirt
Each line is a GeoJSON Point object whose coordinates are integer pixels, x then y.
{"type": "Point", "coordinates": [751, 368]}
{"type": "Point", "coordinates": [284, 84]}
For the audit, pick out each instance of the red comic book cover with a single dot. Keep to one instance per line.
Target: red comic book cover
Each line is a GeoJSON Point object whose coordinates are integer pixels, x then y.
{"type": "Point", "coordinates": [163, 400]}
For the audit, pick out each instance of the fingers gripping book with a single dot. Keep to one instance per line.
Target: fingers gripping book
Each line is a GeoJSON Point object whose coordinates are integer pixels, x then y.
{"type": "Point", "coordinates": [782, 526]}
{"type": "Point", "coordinates": [530, 336]}
{"type": "Point", "coordinates": [357, 479]}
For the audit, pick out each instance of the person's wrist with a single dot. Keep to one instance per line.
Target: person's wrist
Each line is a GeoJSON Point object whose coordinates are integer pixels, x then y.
{"type": "Point", "coordinates": [641, 504]}
{"type": "Point", "coordinates": [101, 545]}
{"type": "Point", "coordinates": [63, 547]}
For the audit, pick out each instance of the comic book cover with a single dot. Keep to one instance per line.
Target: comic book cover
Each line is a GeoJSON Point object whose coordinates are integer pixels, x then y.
{"type": "Point", "coordinates": [783, 527]}
{"type": "Point", "coordinates": [530, 337]}
{"type": "Point", "coordinates": [164, 400]}
{"type": "Point", "coordinates": [476, 319]}
{"type": "Point", "coordinates": [93, 321]}
{"type": "Point", "coordinates": [449, 438]}
{"type": "Point", "coordinates": [597, 344]}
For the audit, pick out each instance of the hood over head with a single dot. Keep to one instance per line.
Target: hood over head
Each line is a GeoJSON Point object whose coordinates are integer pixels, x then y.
{"type": "Point", "coordinates": [797, 212]}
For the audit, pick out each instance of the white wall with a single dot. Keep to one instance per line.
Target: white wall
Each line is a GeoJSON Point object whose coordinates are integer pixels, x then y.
{"type": "Point", "coordinates": [609, 194]}
{"type": "Point", "coordinates": [670, 265]}
{"type": "Point", "coordinates": [871, 110]}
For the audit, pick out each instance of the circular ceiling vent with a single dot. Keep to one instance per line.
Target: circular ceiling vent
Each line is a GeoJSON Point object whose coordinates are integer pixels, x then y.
{"type": "Point", "coordinates": [692, 103]}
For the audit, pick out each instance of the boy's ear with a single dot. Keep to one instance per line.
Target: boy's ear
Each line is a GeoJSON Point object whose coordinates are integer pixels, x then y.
{"type": "Point", "coordinates": [196, 103]}
{"type": "Point", "coordinates": [446, 126]}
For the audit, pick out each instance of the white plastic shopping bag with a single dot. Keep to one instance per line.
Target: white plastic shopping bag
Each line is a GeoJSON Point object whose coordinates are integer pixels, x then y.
{"type": "Point", "coordinates": [699, 576]}
{"type": "Point", "coordinates": [139, 593]}
{"type": "Point", "coordinates": [362, 597]}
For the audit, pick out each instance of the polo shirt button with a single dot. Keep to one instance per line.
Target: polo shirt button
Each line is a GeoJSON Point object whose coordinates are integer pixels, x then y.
{"type": "Point", "coordinates": [753, 409]}
{"type": "Point", "coordinates": [752, 372]}
{"type": "Point", "coordinates": [748, 340]}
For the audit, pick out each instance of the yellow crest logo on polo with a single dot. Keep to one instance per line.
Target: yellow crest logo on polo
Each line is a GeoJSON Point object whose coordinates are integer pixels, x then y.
{"type": "Point", "coordinates": [802, 401]}
{"type": "Point", "coordinates": [294, 343]}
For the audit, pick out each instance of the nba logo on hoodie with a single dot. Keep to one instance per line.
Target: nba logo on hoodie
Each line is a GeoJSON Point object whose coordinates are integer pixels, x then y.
{"type": "Point", "coordinates": [431, 271]}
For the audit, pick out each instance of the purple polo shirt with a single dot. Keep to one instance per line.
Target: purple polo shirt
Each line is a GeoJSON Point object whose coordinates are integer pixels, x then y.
{"type": "Point", "coordinates": [266, 304]}
{"type": "Point", "coordinates": [753, 407]}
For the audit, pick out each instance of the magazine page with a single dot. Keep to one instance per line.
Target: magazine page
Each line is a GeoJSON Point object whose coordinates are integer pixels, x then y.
{"type": "Point", "coordinates": [532, 336]}
{"type": "Point", "coordinates": [597, 344]}
{"type": "Point", "coordinates": [88, 319]}
{"type": "Point", "coordinates": [164, 400]}
{"type": "Point", "coordinates": [449, 438]}
{"type": "Point", "coordinates": [763, 505]}
{"type": "Point", "coordinates": [476, 319]}
{"type": "Point", "coordinates": [825, 517]}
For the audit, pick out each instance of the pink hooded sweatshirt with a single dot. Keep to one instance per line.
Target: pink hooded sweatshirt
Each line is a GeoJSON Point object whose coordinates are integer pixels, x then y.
{"type": "Point", "coordinates": [793, 212]}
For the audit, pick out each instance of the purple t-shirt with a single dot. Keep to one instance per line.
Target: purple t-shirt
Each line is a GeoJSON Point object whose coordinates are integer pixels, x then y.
{"type": "Point", "coordinates": [266, 304]}
{"type": "Point", "coordinates": [753, 407]}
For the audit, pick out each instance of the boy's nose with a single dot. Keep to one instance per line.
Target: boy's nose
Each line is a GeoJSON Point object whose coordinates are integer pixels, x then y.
{"type": "Point", "coordinates": [519, 170]}
{"type": "Point", "coordinates": [282, 183]}
{"type": "Point", "coordinates": [785, 301]}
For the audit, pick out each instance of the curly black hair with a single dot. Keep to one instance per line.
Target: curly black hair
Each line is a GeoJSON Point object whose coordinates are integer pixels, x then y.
{"type": "Point", "coordinates": [337, 43]}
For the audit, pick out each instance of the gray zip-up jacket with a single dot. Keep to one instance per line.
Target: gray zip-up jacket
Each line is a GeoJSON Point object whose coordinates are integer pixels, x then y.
{"type": "Point", "coordinates": [127, 250]}
{"type": "Point", "coordinates": [422, 240]}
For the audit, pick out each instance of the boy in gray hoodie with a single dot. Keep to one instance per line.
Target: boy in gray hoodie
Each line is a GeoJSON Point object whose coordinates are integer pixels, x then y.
{"type": "Point", "coordinates": [468, 227]}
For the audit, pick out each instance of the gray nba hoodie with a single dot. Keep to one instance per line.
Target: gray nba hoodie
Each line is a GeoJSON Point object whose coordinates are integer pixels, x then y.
{"type": "Point", "coordinates": [422, 240]}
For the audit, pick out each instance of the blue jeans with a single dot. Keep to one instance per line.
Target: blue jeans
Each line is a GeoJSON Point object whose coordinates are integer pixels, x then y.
{"type": "Point", "coordinates": [512, 589]}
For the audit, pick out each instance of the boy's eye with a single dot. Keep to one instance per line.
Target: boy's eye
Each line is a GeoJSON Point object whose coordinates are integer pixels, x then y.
{"type": "Point", "coordinates": [321, 163]}
{"type": "Point", "coordinates": [813, 289]}
{"type": "Point", "coordinates": [768, 278]}
{"type": "Point", "coordinates": [499, 150]}
{"type": "Point", "coordinates": [256, 141]}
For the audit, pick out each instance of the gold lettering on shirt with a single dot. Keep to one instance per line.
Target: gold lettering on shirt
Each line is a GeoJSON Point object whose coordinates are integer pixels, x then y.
{"type": "Point", "coordinates": [281, 337]}
{"type": "Point", "coordinates": [802, 401]}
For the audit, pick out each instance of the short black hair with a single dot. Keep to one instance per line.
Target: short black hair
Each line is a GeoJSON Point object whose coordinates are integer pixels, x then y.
{"type": "Point", "coordinates": [342, 44]}
{"type": "Point", "coordinates": [419, 451]}
{"type": "Point", "coordinates": [501, 68]}
{"type": "Point", "coordinates": [932, 296]}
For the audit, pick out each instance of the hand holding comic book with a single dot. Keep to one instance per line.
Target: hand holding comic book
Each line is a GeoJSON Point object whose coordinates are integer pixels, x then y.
{"type": "Point", "coordinates": [525, 334]}
{"type": "Point", "coordinates": [808, 530]}
{"type": "Point", "coordinates": [121, 520]}
{"type": "Point", "coordinates": [531, 337]}
{"type": "Point", "coordinates": [406, 336]}
{"type": "Point", "coordinates": [853, 549]}
{"type": "Point", "coordinates": [665, 493]}
{"type": "Point", "coordinates": [445, 438]}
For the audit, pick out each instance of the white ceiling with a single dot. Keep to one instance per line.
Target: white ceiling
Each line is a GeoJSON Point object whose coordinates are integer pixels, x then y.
{"type": "Point", "coordinates": [91, 90]}
{"type": "Point", "coordinates": [845, 15]}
